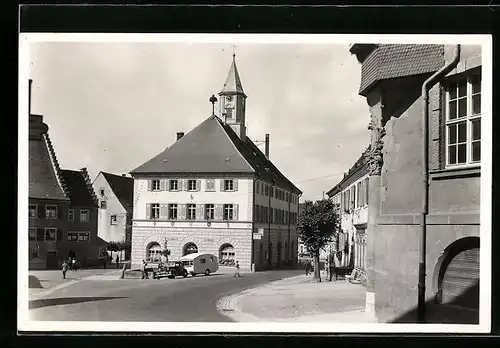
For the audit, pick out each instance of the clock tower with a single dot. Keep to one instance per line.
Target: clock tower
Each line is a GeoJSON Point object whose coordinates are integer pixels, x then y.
{"type": "Point", "coordinates": [232, 101]}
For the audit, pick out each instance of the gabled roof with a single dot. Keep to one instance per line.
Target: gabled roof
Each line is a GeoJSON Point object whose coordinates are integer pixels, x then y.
{"type": "Point", "coordinates": [78, 191]}
{"type": "Point", "coordinates": [43, 177]}
{"type": "Point", "coordinates": [123, 188]}
{"type": "Point", "coordinates": [358, 170]}
{"type": "Point", "coordinates": [213, 147]}
{"type": "Point", "coordinates": [233, 81]}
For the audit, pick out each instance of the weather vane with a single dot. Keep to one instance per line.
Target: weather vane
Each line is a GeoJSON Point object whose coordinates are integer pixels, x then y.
{"type": "Point", "coordinates": [234, 50]}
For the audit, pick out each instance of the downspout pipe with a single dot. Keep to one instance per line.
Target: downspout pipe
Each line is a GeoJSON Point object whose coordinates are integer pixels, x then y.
{"type": "Point", "coordinates": [427, 85]}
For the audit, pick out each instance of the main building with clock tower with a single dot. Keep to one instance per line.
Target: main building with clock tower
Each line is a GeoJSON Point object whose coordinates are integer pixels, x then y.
{"type": "Point", "coordinates": [213, 191]}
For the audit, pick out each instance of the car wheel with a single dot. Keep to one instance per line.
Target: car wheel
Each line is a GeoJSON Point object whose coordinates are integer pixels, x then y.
{"type": "Point", "coordinates": [193, 274]}
{"type": "Point", "coordinates": [207, 272]}
{"type": "Point", "coordinates": [185, 274]}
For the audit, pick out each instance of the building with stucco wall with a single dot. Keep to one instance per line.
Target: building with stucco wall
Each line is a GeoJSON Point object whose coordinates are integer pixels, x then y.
{"type": "Point", "coordinates": [392, 77]}
{"type": "Point", "coordinates": [214, 191]}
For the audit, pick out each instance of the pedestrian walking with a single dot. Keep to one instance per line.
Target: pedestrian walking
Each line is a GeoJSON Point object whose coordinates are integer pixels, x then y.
{"type": "Point", "coordinates": [64, 268]}
{"type": "Point", "coordinates": [308, 268]}
{"type": "Point", "coordinates": [237, 270]}
{"type": "Point", "coordinates": [143, 270]}
{"type": "Point", "coordinates": [117, 262]}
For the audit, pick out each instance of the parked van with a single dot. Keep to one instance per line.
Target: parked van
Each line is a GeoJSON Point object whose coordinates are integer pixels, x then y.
{"type": "Point", "coordinates": [199, 263]}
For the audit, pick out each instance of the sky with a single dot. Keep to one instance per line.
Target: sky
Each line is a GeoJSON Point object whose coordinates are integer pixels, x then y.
{"type": "Point", "coordinates": [113, 106]}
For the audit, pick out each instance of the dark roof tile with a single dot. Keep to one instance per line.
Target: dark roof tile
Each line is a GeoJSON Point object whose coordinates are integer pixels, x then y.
{"type": "Point", "coordinates": [78, 191]}
{"type": "Point", "coordinates": [123, 188]}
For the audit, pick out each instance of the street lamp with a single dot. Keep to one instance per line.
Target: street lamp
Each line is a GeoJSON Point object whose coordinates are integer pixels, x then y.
{"type": "Point", "coordinates": [213, 100]}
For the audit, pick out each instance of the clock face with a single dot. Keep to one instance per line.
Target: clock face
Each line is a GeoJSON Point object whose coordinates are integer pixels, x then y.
{"type": "Point", "coordinates": [229, 98]}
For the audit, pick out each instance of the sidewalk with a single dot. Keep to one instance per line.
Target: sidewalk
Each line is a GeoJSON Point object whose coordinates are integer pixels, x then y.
{"type": "Point", "coordinates": [44, 282]}
{"type": "Point", "coordinates": [298, 299]}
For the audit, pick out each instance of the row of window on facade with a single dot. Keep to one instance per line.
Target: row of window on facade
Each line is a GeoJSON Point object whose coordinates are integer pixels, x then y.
{"type": "Point", "coordinates": [268, 190]}
{"type": "Point", "coordinates": [50, 234]}
{"type": "Point", "coordinates": [192, 211]}
{"type": "Point", "coordinates": [463, 119]}
{"type": "Point", "coordinates": [154, 252]}
{"type": "Point", "coordinates": [191, 185]}
{"type": "Point", "coordinates": [273, 215]}
{"type": "Point", "coordinates": [354, 197]}
{"type": "Point", "coordinates": [52, 212]}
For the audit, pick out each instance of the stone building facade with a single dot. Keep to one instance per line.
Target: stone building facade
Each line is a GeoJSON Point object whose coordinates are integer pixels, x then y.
{"type": "Point", "coordinates": [399, 222]}
{"type": "Point", "coordinates": [214, 191]}
{"type": "Point", "coordinates": [351, 194]}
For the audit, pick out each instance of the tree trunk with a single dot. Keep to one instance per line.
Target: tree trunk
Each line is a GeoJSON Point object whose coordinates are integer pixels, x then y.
{"type": "Point", "coordinates": [317, 274]}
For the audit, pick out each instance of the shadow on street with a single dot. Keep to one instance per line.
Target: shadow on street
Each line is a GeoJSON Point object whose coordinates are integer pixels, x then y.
{"type": "Point", "coordinates": [66, 300]}
{"type": "Point", "coordinates": [458, 311]}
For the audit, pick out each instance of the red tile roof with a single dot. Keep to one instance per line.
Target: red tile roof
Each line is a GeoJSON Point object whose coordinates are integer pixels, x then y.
{"type": "Point", "coordinates": [213, 147]}
{"type": "Point", "coordinates": [396, 60]}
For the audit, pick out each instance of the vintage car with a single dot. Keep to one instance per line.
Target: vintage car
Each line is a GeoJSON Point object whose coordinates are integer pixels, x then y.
{"type": "Point", "coordinates": [170, 269]}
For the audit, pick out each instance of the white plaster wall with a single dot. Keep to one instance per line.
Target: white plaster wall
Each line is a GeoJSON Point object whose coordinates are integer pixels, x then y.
{"type": "Point", "coordinates": [105, 230]}
{"type": "Point", "coordinates": [242, 197]}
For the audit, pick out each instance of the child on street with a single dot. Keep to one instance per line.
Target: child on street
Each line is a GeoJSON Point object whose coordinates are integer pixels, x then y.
{"type": "Point", "coordinates": [237, 270]}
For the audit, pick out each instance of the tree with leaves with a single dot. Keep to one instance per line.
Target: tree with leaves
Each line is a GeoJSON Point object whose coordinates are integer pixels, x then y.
{"type": "Point", "coordinates": [318, 225]}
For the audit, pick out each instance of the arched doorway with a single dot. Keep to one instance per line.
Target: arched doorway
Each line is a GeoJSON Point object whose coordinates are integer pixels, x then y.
{"type": "Point", "coordinates": [153, 252]}
{"type": "Point", "coordinates": [227, 255]}
{"type": "Point", "coordinates": [189, 248]}
{"type": "Point", "coordinates": [458, 279]}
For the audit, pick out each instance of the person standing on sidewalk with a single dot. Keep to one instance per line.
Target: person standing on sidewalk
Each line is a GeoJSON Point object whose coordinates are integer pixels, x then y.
{"type": "Point", "coordinates": [237, 270]}
{"type": "Point", "coordinates": [64, 268]}
{"type": "Point", "coordinates": [117, 262]}
{"type": "Point", "coordinates": [143, 270]}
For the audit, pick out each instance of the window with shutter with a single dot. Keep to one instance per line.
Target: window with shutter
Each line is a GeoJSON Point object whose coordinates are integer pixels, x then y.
{"type": "Point", "coordinates": [235, 212]}
{"type": "Point", "coordinates": [235, 185]}
{"type": "Point", "coordinates": [198, 185]}
{"type": "Point", "coordinates": [150, 185]}
{"type": "Point", "coordinates": [222, 188]}
{"type": "Point", "coordinates": [148, 211]}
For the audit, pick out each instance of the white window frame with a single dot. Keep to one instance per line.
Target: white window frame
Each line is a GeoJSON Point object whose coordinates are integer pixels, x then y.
{"type": "Point", "coordinates": [84, 236]}
{"type": "Point", "coordinates": [155, 187]}
{"type": "Point", "coordinates": [228, 212]}
{"type": "Point", "coordinates": [71, 235]}
{"type": "Point", "coordinates": [47, 215]}
{"type": "Point", "coordinates": [113, 219]}
{"type": "Point", "coordinates": [173, 208]}
{"type": "Point", "coordinates": [71, 215]}
{"type": "Point", "coordinates": [468, 119]}
{"type": "Point", "coordinates": [228, 185]}
{"type": "Point", "coordinates": [34, 231]}
{"type": "Point", "coordinates": [84, 212]}
{"type": "Point", "coordinates": [209, 209]}
{"type": "Point", "coordinates": [45, 234]}
{"type": "Point", "coordinates": [105, 205]}
{"type": "Point", "coordinates": [172, 183]}
{"type": "Point", "coordinates": [155, 211]}
{"type": "Point", "coordinates": [191, 211]}
{"type": "Point", "coordinates": [30, 210]}
{"type": "Point", "coordinates": [210, 185]}
{"type": "Point", "coordinates": [190, 187]}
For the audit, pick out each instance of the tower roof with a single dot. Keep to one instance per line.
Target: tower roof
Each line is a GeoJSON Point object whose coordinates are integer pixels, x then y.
{"type": "Point", "coordinates": [233, 82]}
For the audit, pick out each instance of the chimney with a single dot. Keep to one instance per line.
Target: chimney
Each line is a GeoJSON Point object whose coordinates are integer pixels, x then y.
{"type": "Point", "coordinates": [266, 151]}
{"type": "Point", "coordinates": [29, 96]}
{"type": "Point", "coordinates": [180, 135]}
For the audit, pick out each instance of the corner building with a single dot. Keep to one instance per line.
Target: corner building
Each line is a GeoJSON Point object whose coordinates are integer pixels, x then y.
{"type": "Point", "coordinates": [214, 191]}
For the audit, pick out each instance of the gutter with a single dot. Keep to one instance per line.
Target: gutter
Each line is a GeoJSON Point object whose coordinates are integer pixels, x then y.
{"type": "Point", "coordinates": [427, 85]}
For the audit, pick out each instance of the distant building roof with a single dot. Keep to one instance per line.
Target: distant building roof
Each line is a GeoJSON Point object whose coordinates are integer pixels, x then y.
{"type": "Point", "coordinates": [123, 188]}
{"type": "Point", "coordinates": [358, 170]}
{"type": "Point", "coordinates": [78, 191]}
{"type": "Point", "coordinates": [388, 61]}
{"type": "Point", "coordinates": [213, 147]}
{"type": "Point", "coordinates": [43, 174]}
